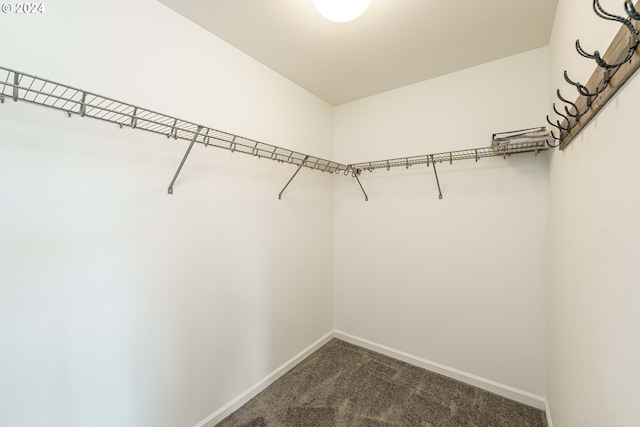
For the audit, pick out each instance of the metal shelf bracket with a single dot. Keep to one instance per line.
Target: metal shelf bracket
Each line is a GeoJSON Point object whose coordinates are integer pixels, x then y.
{"type": "Point", "coordinates": [435, 171]}
{"type": "Point", "coordinates": [355, 173]}
{"type": "Point", "coordinates": [16, 82]}
{"type": "Point", "coordinates": [293, 176]}
{"type": "Point", "coordinates": [193, 141]}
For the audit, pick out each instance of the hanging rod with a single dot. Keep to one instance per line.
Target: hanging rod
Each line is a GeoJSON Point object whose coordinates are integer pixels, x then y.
{"type": "Point", "coordinates": [21, 86]}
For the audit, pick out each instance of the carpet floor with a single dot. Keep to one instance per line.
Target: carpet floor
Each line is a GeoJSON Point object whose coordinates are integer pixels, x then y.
{"type": "Point", "coordinates": [345, 385]}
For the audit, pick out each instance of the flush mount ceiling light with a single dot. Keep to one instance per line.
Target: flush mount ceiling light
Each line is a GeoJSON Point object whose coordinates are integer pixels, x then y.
{"type": "Point", "coordinates": [341, 10]}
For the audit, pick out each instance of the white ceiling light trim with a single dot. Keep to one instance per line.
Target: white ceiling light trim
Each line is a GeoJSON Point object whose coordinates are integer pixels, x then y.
{"type": "Point", "coordinates": [341, 10]}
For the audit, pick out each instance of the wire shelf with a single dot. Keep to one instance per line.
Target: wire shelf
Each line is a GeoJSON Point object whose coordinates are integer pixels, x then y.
{"type": "Point", "coordinates": [21, 86]}
{"type": "Point", "coordinates": [451, 156]}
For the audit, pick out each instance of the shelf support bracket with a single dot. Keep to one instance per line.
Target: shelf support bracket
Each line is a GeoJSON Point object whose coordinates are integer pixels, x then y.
{"type": "Point", "coordinates": [16, 82]}
{"type": "Point", "coordinates": [435, 171]}
{"type": "Point", "coordinates": [83, 105]}
{"type": "Point", "coordinates": [193, 140]}
{"type": "Point", "coordinates": [355, 175]}
{"type": "Point", "coordinates": [293, 176]}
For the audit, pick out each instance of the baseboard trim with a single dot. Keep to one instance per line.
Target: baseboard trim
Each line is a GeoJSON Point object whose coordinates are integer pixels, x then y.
{"type": "Point", "coordinates": [509, 392]}
{"type": "Point", "coordinates": [250, 393]}
{"type": "Point", "coordinates": [548, 412]}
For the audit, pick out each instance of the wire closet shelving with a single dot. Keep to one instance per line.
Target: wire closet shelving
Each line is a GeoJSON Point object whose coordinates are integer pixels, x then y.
{"type": "Point", "coordinates": [20, 86]}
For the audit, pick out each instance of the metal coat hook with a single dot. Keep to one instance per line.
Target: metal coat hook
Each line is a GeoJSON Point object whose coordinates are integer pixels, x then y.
{"type": "Point", "coordinates": [570, 114]}
{"type": "Point", "coordinates": [577, 85]}
{"type": "Point", "coordinates": [553, 145]}
{"type": "Point", "coordinates": [553, 135]}
{"type": "Point", "coordinates": [601, 62]}
{"type": "Point", "coordinates": [611, 17]}
{"type": "Point", "coordinates": [558, 126]}
{"type": "Point", "coordinates": [578, 114]}
{"type": "Point", "coordinates": [620, 54]}
{"type": "Point", "coordinates": [563, 116]}
{"type": "Point", "coordinates": [631, 10]}
{"type": "Point", "coordinates": [627, 23]}
{"type": "Point", "coordinates": [583, 52]}
{"type": "Point", "coordinates": [582, 89]}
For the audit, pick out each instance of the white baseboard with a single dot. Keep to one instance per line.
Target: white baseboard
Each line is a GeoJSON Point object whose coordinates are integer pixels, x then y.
{"type": "Point", "coordinates": [512, 393]}
{"type": "Point", "coordinates": [249, 394]}
{"type": "Point", "coordinates": [548, 412]}
{"type": "Point", "coordinates": [474, 380]}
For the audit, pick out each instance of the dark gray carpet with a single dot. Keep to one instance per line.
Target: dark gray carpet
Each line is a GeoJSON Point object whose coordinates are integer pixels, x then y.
{"type": "Point", "coordinates": [345, 385]}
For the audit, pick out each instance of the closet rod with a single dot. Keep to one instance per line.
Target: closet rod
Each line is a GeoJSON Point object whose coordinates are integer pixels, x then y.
{"type": "Point", "coordinates": [30, 88]}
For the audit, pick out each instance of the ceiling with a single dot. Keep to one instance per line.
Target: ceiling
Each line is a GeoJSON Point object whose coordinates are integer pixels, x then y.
{"type": "Point", "coordinates": [393, 44]}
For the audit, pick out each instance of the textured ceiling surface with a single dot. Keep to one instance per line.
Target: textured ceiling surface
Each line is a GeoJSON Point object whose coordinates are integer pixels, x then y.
{"type": "Point", "coordinates": [393, 44]}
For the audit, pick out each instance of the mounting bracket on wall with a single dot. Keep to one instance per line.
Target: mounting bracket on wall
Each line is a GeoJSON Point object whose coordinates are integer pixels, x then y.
{"type": "Point", "coordinates": [435, 171]}
{"type": "Point", "coordinates": [355, 172]}
{"type": "Point", "coordinates": [193, 141]}
{"type": "Point", "coordinates": [294, 175]}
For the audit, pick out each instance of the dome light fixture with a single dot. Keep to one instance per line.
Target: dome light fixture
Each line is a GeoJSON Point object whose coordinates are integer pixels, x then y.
{"type": "Point", "coordinates": [341, 10]}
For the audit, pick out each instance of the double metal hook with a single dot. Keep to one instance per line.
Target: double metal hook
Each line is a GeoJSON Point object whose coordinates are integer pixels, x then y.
{"type": "Point", "coordinates": [583, 91]}
{"type": "Point", "coordinates": [633, 14]}
{"type": "Point", "coordinates": [560, 128]}
{"type": "Point", "coordinates": [578, 113]}
{"type": "Point", "coordinates": [631, 11]}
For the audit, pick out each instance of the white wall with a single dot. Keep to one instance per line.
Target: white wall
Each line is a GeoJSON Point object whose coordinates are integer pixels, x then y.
{"type": "Point", "coordinates": [459, 281]}
{"type": "Point", "coordinates": [119, 304]}
{"type": "Point", "coordinates": [594, 289]}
